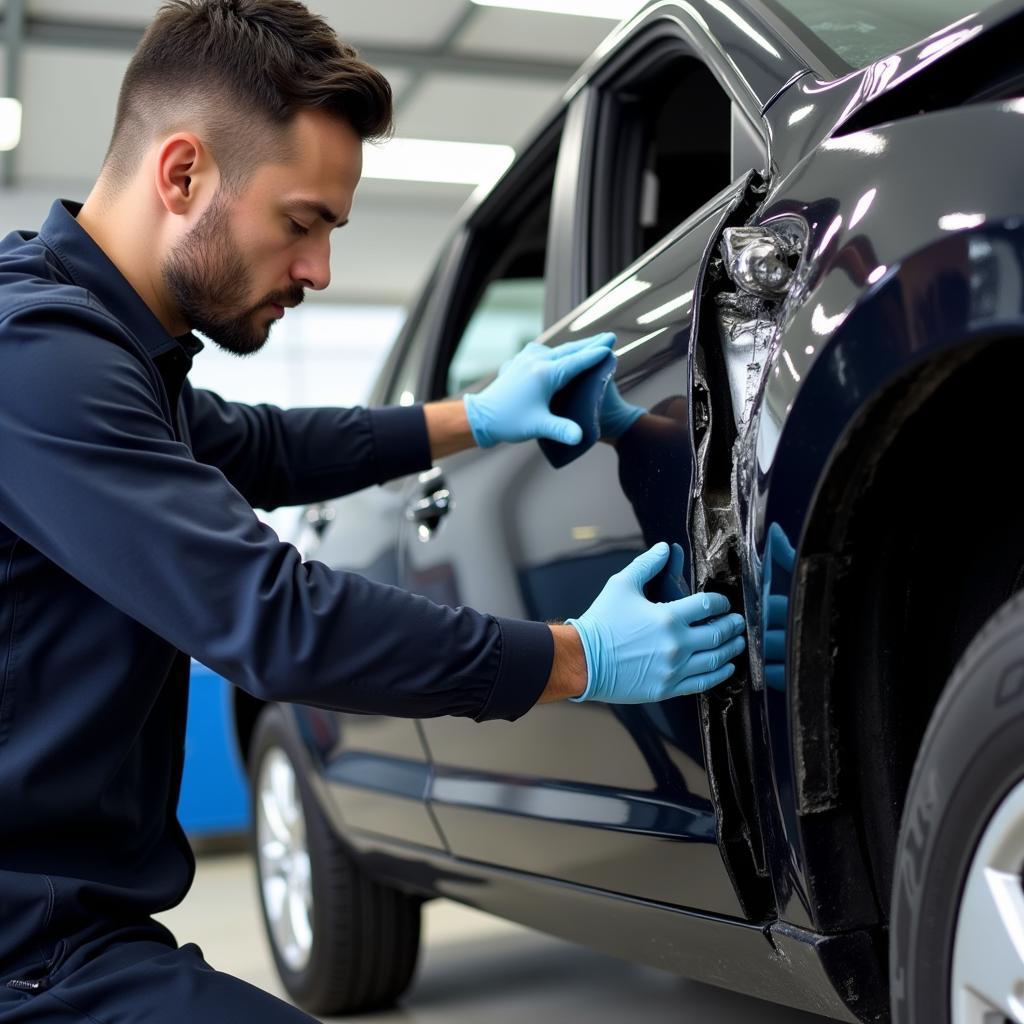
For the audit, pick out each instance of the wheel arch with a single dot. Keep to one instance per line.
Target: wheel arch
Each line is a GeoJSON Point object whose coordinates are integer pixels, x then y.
{"type": "Point", "coordinates": [894, 574]}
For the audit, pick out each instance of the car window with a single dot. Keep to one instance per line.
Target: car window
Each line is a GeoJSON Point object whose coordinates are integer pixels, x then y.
{"type": "Point", "coordinates": [664, 149]}
{"type": "Point", "coordinates": [498, 303]}
{"type": "Point", "coordinates": [509, 316]}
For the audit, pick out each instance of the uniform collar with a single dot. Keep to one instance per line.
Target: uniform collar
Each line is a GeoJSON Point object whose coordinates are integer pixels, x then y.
{"type": "Point", "coordinates": [90, 268]}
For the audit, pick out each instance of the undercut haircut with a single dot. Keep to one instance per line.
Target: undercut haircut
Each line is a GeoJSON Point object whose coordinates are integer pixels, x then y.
{"type": "Point", "coordinates": [237, 72]}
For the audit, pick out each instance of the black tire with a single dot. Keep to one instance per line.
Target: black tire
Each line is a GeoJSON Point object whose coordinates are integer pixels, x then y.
{"type": "Point", "coordinates": [365, 936]}
{"type": "Point", "coordinates": [971, 757]}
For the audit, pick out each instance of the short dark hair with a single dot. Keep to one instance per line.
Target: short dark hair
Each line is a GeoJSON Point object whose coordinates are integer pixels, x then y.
{"type": "Point", "coordinates": [230, 63]}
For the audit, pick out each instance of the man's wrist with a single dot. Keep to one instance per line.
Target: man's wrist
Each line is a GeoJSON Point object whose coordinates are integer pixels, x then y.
{"type": "Point", "coordinates": [568, 676]}
{"type": "Point", "coordinates": [448, 428]}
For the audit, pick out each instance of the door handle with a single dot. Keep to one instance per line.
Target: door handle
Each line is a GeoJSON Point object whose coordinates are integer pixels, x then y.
{"type": "Point", "coordinates": [318, 517]}
{"type": "Point", "coordinates": [428, 511]}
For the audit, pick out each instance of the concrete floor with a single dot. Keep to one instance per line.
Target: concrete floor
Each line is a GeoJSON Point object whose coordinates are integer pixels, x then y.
{"type": "Point", "coordinates": [473, 967]}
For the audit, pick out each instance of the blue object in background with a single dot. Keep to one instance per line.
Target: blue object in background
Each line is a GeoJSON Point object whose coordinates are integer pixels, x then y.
{"type": "Point", "coordinates": [214, 793]}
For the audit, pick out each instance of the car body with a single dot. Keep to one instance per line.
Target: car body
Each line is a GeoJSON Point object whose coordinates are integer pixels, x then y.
{"type": "Point", "coordinates": [817, 287]}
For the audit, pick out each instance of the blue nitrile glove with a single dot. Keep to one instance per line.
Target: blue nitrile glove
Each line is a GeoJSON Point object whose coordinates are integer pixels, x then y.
{"type": "Point", "coordinates": [778, 555]}
{"type": "Point", "coordinates": [638, 651]}
{"type": "Point", "coordinates": [617, 415]}
{"type": "Point", "coordinates": [515, 406]}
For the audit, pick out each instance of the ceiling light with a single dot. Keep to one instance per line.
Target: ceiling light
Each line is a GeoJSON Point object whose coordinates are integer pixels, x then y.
{"type": "Point", "coordinates": [616, 10]}
{"type": "Point", "coordinates": [10, 123]}
{"type": "Point", "coordinates": [460, 163]}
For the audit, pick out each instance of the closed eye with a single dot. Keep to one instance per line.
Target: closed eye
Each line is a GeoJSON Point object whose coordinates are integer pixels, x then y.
{"type": "Point", "coordinates": [296, 228]}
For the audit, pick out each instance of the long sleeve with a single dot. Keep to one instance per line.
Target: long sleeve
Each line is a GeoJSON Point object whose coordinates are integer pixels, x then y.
{"type": "Point", "coordinates": [94, 478]}
{"type": "Point", "coordinates": [277, 457]}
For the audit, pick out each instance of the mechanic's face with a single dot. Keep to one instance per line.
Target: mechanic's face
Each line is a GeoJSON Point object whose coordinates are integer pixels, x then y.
{"type": "Point", "coordinates": [253, 254]}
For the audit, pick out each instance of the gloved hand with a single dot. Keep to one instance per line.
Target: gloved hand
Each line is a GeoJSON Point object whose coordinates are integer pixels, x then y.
{"type": "Point", "coordinates": [638, 651]}
{"type": "Point", "coordinates": [515, 405]}
{"type": "Point", "coordinates": [617, 415]}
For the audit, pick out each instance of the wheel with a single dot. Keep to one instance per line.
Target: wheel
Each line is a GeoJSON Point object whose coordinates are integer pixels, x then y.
{"type": "Point", "coordinates": [957, 923]}
{"type": "Point", "coordinates": [342, 942]}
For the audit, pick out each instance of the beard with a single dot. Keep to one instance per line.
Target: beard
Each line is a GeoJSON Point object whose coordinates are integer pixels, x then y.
{"type": "Point", "coordinates": [207, 277]}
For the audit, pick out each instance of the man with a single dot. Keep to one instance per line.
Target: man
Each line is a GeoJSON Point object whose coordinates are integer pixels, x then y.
{"type": "Point", "coordinates": [127, 537]}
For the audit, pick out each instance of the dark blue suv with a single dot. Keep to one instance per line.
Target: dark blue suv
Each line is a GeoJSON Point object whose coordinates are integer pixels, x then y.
{"type": "Point", "coordinates": [805, 225]}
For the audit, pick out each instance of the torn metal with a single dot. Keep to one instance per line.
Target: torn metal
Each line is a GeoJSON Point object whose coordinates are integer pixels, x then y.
{"type": "Point", "coordinates": [762, 263]}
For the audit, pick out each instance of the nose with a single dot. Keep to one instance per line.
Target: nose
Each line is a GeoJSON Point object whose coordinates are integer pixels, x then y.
{"type": "Point", "coordinates": [313, 268]}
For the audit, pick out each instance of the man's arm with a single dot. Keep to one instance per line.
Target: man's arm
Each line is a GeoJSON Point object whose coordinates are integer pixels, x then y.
{"type": "Point", "coordinates": [278, 457]}
{"type": "Point", "coordinates": [94, 479]}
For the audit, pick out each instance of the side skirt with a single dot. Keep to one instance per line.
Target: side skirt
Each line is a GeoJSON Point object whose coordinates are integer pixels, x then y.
{"type": "Point", "coordinates": [770, 961]}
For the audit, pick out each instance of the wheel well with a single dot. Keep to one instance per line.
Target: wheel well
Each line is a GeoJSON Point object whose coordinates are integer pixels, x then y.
{"type": "Point", "coordinates": [245, 709]}
{"type": "Point", "coordinates": [909, 551]}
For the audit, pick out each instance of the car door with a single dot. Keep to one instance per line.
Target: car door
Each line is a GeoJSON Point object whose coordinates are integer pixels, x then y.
{"type": "Point", "coordinates": [613, 797]}
{"type": "Point", "coordinates": [373, 769]}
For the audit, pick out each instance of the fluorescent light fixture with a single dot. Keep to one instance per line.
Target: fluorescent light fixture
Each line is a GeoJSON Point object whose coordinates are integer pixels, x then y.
{"type": "Point", "coordinates": [10, 123]}
{"type": "Point", "coordinates": [615, 10]}
{"type": "Point", "coordinates": [460, 163]}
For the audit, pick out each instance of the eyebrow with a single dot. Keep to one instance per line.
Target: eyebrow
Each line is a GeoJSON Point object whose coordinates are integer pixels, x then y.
{"type": "Point", "coordinates": [318, 208]}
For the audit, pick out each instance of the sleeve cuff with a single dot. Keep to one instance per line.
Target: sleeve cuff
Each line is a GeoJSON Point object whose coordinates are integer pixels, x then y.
{"type": "Point", "coordinates": [400, 441]}
{"type": "Point", "coordinates": [527, 652]}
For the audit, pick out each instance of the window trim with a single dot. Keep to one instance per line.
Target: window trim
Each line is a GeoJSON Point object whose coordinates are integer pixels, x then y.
{"type": "Point", "coordinates": [394, 363]}
{"type": "Point", "coordinates": [655, 44]}
{"type": "Point", "coordinates": [513, 189]}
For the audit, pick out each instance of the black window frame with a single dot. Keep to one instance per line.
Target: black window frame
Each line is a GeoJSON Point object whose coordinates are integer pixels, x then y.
{"type": "Point", "coordinates": [383, 391]}
{"type": "Point", "coordinates": [655, 46]}
{"type": "Point", "coordinates": [533, 173]}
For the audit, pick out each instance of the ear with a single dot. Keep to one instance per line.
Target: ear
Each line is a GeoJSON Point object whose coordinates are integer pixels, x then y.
{"type": "Point", "coordinates": [186, 176]}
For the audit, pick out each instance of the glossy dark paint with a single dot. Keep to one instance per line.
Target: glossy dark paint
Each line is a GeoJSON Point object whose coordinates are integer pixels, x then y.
{"type": "Point", "coordinates": [847, 339]}
{"type": "Point", "coordinates": [595, 795]}
{"type": "Point", "coordinates": [599, 823]}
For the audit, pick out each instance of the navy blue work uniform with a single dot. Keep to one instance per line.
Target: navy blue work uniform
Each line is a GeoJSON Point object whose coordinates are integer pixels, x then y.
{"type": "Point", "coordinates": [128, 544]}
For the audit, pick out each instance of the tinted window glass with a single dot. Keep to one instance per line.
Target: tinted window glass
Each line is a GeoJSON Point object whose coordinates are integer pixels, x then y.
{"type": "Point", "coordinates": [665, 150]}
{"type": "Point", "coordinates": [499, 306]}
{"type": "Point", "coordinates": [509, 316]}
